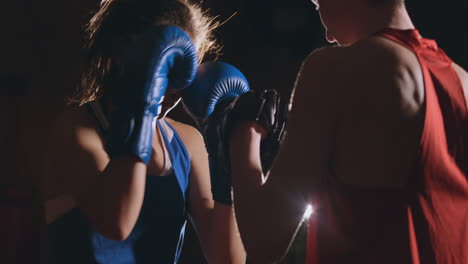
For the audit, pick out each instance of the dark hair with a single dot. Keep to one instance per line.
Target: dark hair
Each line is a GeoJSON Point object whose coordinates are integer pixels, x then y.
{"type": "Point", "coordinates": [117, 21]}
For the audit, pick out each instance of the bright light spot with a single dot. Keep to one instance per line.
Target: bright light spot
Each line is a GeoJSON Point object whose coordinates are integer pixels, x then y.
{"type": "Point", "coordinates": [309, 210]}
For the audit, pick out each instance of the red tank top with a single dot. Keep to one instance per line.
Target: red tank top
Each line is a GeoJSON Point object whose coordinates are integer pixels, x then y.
{"type": "Point", "coordinates": [425, 223]}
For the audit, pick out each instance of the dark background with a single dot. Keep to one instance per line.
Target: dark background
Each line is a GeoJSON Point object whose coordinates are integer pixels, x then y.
{"type": "Point", "coordinates": [41, 56]}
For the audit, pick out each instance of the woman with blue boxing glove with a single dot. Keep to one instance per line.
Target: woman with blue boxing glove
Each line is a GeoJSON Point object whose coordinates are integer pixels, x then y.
{"type": "Point", "coordinates": [124, 178]}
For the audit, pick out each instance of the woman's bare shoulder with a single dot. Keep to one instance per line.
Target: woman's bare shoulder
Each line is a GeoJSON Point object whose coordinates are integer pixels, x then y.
{"type": "Point", "coordinates": [74, 157]}
{"type": "Point", "coordinates": [76, 124]}
{"type": "Point", "coordinates": [183, 129]}
{"type": "Point", "coordinates": [191, 137]}
{"type": "Point", "coordinates": [75, 137]}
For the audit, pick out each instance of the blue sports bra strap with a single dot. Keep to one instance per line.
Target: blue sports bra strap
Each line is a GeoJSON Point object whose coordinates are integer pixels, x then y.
{"type": "Point", "coordinates": [179, 155]}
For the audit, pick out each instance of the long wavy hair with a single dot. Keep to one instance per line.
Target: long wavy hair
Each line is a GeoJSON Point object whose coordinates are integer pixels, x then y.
{"type": "Point", "coordinates": [115, 23]}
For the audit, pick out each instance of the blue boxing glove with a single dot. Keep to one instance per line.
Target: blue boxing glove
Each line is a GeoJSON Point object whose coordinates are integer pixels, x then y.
{"type": "Point", "coordinates": [219, 97]}
{"type": "Point", "coordinates": [215, 82]}
{"type": "Point", "coordinates": [209, 100]}
{"type": "Point", "coordinates": [160, 57]}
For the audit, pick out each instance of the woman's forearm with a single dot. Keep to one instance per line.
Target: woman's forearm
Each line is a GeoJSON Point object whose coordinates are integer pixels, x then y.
{"type": "Point", "coordinates": [113, 202]}
{"type": "Point", "coordinates": [250, 201]}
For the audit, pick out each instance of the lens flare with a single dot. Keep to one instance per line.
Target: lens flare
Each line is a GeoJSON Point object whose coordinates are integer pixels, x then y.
{"type": "Point", "coordinates": [309, 210]}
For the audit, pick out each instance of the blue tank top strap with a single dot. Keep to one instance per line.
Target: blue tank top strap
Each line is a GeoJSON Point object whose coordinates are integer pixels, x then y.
{"type": "Point", "coordinates": [179, 155]}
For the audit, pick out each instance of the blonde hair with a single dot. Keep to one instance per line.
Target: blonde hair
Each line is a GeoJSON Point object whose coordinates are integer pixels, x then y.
{"type": "Point", "coordinates": [115, 23]}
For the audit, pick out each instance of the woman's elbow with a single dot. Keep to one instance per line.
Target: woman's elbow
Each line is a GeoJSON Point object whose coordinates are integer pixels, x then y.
{"type": "Point", "coordinates": [118, 234]}
{"type": "Point", "coordinates": [114, 226]}
{"type": "Point", "coordinates": [115, 231]}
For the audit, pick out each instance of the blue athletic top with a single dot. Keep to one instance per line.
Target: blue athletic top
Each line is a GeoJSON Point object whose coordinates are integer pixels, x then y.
{"type": "Point", "coordinates": [158, 234]}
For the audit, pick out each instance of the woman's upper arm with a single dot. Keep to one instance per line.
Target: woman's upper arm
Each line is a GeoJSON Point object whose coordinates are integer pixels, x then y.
{"type": "Point", "coordinates": [200, 197]}
{"type": "Point", "coordinates": [74, 157]}
{"type": "Point", "coordinates": [214, 222]}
